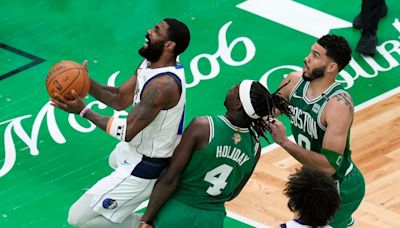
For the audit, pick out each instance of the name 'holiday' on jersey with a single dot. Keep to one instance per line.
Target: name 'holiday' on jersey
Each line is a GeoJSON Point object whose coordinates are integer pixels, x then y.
{"type": "Point", "coordinates": [214, 172]}
{"type": "Point", "coordinates": [162, 135]}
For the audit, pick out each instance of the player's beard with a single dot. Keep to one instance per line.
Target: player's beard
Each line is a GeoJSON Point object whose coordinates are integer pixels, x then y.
{"type": "Point", "coordinates": [153, 51]}
{"type": "Point", "coordinates": [314, 74]}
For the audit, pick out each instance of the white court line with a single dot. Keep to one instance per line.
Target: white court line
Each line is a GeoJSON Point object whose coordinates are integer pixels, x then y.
{"type": "Point", "coordinates": [245, 220]}
{"type": "Point", "coordinates": [358, 108]}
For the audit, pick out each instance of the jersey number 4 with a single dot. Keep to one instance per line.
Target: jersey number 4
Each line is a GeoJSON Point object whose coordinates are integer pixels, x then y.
{"type": "Point", "coordinates": [217, 177]}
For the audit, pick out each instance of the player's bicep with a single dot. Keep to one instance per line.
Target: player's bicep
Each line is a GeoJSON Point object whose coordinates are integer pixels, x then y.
{"type": "Point", "coordinates": [126, 92]}
{"type": "Point", "coordinates": [338, 116]}
{"type": "Point", "coordinates": [152, 102]}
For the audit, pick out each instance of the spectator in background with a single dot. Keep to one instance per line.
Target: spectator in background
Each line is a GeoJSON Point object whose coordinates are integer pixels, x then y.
{"type": "Point", "coordinates": [367, 21]}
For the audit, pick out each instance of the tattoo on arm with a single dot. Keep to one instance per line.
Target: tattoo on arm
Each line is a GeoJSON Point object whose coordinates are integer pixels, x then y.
{"type": "Point", "coordinates": [148, 104]}
{"type": "Point", "coordinates": [345, 99]}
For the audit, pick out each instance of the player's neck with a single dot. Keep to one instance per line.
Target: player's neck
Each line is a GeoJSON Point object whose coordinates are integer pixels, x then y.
{"type": "Point", "coordinates": [237, 120]}
{"type": "Point", "coordinates": [163, 62]}
{"type": "Point", "coordinates": [319, 86]}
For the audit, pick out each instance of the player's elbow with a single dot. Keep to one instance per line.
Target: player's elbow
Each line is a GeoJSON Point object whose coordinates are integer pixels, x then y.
{"type": "Point", "coordinates": [128, 136]}
{"type": "Point", "coordinates": [169, 178]}
{"type": "Point", "coordinates": [329, 170]}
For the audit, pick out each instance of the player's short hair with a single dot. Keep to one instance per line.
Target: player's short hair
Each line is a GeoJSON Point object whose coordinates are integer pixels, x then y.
{"type": "Point", "coordinates": [179, 33]}
{"type": "Point", "coordinates": [337, 48]}
{"type": "Point", "coordinates": [313, 195]}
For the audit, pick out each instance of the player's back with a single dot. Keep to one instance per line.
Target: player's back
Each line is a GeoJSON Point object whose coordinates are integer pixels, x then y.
{"type": "Point", "coordinates": [214, 172]}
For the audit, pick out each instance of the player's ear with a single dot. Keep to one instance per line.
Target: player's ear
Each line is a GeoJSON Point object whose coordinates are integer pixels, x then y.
{"type": "Point", "coordinates": [170, 45]}
{"type": "Point", "coordinates": [238, 105]}
{"type": "Point", "coordinates": [332, 67]}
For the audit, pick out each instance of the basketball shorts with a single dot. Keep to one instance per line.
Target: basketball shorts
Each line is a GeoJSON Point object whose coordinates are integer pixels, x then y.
{"type": "Point", "coordinates": [178, 214]}
{"type": "Point", "coordinates": [117, 195]}
{"type": "Point", "coordinates": [352, 191]}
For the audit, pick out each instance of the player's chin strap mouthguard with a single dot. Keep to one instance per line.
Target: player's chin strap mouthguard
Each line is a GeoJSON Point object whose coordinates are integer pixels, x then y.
{"type": "Point", "coordinates": [244, 95]}
{"type": "Point", "coordinates": [117, 127]}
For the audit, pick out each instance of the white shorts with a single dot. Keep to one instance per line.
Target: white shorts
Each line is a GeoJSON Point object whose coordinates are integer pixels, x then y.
{"type": "Point", "coordinates": [116, 196]}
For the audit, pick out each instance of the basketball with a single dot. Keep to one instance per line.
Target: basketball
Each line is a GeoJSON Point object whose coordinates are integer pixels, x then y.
{"type": "Point", "coordinates": [66, 76]}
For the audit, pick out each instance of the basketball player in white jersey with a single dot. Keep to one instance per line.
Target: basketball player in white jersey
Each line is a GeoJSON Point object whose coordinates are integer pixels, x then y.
{"type": "Point", "coordinates": [148, 135]}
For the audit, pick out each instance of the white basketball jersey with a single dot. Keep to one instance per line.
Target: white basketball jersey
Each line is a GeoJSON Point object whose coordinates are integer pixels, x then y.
{"type": "Point", "coordinates": [295, 224]}
{"type": "Point", "coordinates": [162, 135]}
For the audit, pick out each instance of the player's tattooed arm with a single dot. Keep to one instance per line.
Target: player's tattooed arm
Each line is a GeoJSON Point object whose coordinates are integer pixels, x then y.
{"type": "Point", "coordinates": [161, 93]}
{"type": "Point", "coordinates": [345, 99]}
{"type": "Point", "coordinates": [119, 98]}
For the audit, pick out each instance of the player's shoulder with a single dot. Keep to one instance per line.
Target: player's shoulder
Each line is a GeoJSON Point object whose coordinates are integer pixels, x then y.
{"type": "Point", "coordinates": [200, 121]}
{"type": "Point", "coordinates": [199, 129]}
{"type": "Point", "coordinates": [164, 82]}
{"type": "Point", "coordinates": [201, 124]}
{"type": "Point", "coordinates": [288, 83]}
{"type": "Point", "coordinates": [294, 77]}
{"type": "Point", "coordinates": [340, 102]}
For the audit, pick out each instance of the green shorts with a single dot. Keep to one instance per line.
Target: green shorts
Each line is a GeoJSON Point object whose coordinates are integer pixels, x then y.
{"type": "Point", "coordinates": [352, 191]}
{"type": "Point", "coordinates": [177, 214]}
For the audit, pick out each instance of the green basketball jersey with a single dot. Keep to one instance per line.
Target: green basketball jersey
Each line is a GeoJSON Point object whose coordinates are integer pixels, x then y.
{"type": "Point", "coordinates": [307, 128]}
{"type": "Point", "coordinates": [214, 172]}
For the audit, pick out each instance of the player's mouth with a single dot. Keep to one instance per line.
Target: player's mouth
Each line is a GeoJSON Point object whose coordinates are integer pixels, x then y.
{"type": "Point", "coordinates": [305, 67]}
{"type": "Point", "coordinates": [147, 41]}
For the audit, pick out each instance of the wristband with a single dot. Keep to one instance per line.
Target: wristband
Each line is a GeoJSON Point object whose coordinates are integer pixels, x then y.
{"type": "Point", "coordinates": [116, 127]}
{"type": "Point", "coordinates": [84, 110]}
{"type": "Point", "coordinates": [334, 158]}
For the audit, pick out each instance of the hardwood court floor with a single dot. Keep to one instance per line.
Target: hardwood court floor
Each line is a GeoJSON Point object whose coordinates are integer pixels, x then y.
{"type": "Point", "coordinates": [375, 143]}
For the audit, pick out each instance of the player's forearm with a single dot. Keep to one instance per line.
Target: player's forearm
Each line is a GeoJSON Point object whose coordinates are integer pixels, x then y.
{"type": "Point", "coordinates": [106, 94]}
{"type": "Point", "coordinates": [99, 120]}
{"type": "Point", "coordinates": [162, 191]}
{"type": "Point", "coordinates": [308, 158]}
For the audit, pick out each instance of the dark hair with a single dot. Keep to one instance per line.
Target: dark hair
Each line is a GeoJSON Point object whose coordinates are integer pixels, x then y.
{"type": "Point", "coordinates": [179, 33]}
{"type": "Point", "coordinates": [265, 104]}
{"type": "Point", "coordinates": [313, 195]}
{"type": "Point", "coordinates": [337, 48]}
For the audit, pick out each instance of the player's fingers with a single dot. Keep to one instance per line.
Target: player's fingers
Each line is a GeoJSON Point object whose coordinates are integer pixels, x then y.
{"type": "Point", "coordinates": [84, 64]}
{"type": "Point", "coordinates": [52, 103]}
{"type": "Point", "coordinates": [75, 94]}
{"type": "Point", "coordinates": [56, 103]}
{"type": "Point", "coordinates": [60, 98]}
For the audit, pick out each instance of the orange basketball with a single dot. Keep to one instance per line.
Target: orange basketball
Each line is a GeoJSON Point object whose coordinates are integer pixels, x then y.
{"type": "Point", "coordinates": [66, 76]}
